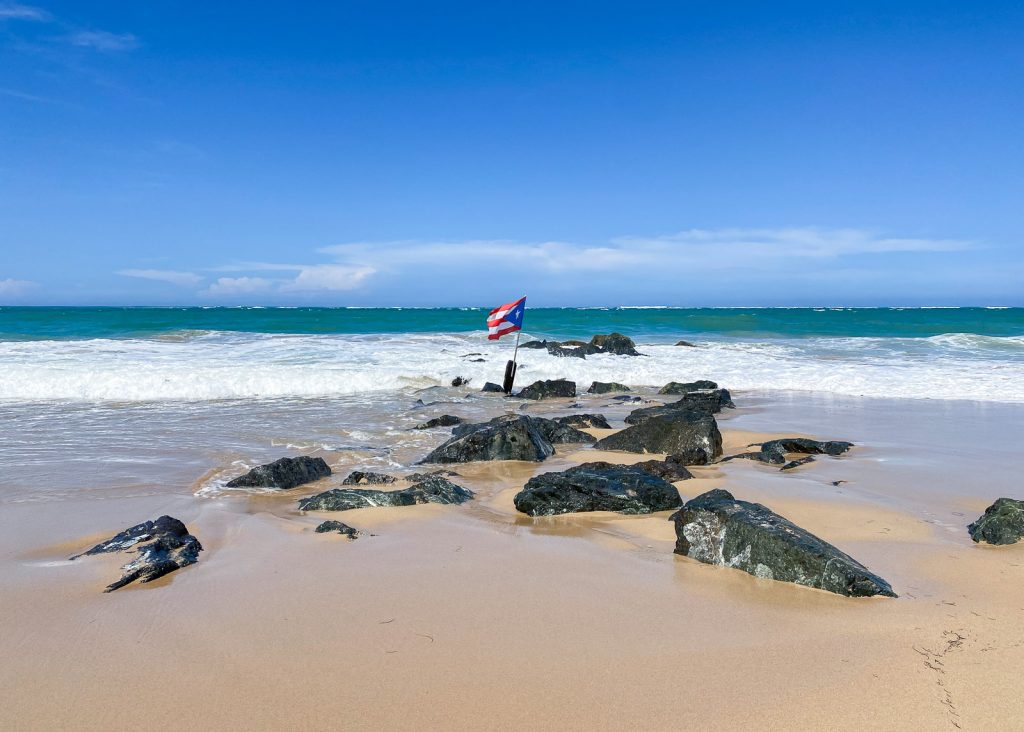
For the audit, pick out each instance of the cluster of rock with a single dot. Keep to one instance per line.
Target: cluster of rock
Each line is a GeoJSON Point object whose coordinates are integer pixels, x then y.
{"type": "Point", "coordinates": [716, 528]}
{"type": "Point", "coordinates": [614, 343]}
{"type": "Point", "coordinates": [161, 547]}
{"type": "Point", "coordinates": [774, 452]}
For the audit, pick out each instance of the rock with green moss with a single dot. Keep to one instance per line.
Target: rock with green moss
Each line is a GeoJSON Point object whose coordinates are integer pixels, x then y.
{"type": "Point", "coordinates": [606, 387]}
{"type": "Point", "coordinates": [716, 528]}
{"type": "Point", "coordinates": [1002, 523]}
{"type": "Point", "coordinates": [682, 387]}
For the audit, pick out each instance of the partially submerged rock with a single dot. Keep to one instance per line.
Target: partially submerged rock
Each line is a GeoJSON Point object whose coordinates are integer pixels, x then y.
{"type": "Point", "coordinates": [596, 487]}
{"type": "Point", "coordinates": [1002, 523]}
{"type": "Point", "coordinates": [432, 489]}
{"type": "Point", "coordinates": [284, 473]}
{"type": "Point", "coordinates": [672, 468]}
{"type": "Point", "coordinates": [685, 343]}
{"type": "Point", "coordinates": [361, 477]}
{"type": "Point", "coordinates": [606, 387]}
{"type": "Point", "coordinates": [797, 463]}
{"type": "Point", "coordinates": [550, 389]}
{"type": "Point", "coordinates": [708, 400]}
{"type": "Point", "coordinates": [774, 452]}
{"type": "Point", "coordinates": [161, 546]}
{"type": "Point", "coordinates": [715, 528]}
{"type": "Point", "coordinates": [338, 528]}
{"type": "Point", "coordinates": [460, 381]}
{"type": "Point", "coordinates": [686, 432]}
{"type": "Point", "coordinates": [615, 343]}
{"type": "Point", "coordinates": [682, 387]}
{"type": "Point", "coordinates": [491, 388]}
{"type": "Point", "coordinates": [445, 420]}
{"type": "Point", "coordinates": [585, 420]}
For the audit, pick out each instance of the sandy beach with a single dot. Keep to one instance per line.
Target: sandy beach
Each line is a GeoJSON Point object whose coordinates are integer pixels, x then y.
{"type": "Point", "coordinates": [477, 617]}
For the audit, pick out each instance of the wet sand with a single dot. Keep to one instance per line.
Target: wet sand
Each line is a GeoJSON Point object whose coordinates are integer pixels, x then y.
{"type": "Point", "coordinates": [476, 617]}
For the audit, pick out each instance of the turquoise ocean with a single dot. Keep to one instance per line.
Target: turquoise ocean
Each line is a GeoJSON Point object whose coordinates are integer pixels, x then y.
{"type": "Point", "coordinates": [196, 353]}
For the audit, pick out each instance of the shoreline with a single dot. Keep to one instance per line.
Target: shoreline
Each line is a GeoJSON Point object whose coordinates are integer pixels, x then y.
{"type": "Point", "coordinates": [476, 617]}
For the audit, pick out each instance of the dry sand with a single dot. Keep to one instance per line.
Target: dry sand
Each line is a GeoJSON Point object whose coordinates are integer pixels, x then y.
{"type": "Point", "coordinates": [476, 617]}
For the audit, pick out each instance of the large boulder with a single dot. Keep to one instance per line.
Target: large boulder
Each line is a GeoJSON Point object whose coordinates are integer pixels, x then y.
{"type": "Point", "coordinates": [1002, 523]}
{"type": "Point", "coordinates": [715, 528]}
{"type": "Point", "coordinates": [550, 389]}
{"type": "Point", "coordinates": [161, 547]}
{"type": "Point", "coordinates": [606, 387]}
{"type": "Point", "coordinates": [682, 387]}
{"type": "Point", "coordinates": [615, 343]}
{"type": "Point", "coordinates": [710, 401]}
{"type": "Point", "coordinates": [432, 489]}
{"type": "Point", "coordinates": [774, 452]}
{"type": "Point", "coordinates": [284, 473]}
{"type": "Point", "coordinates": [510, 437]}
{"type": "Point", "coordinates": [596, 487]}
{"type": "Point", "coordinates": [688, 432]}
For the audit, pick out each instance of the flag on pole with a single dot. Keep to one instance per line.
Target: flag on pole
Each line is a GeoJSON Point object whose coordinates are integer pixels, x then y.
{"type": "Point", "coordinates": [506, 319]}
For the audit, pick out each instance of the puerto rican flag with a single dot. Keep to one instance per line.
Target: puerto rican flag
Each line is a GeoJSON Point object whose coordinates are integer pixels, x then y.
{"type": "Point", "coordinates": [506, 319]}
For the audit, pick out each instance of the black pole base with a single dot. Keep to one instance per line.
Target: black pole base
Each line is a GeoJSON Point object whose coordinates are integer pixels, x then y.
{"type": "Point", "coordinates": [510, 377]}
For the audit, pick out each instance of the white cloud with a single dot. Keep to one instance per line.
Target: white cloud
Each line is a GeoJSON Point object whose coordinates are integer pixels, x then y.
{"type": "Point", "coordinates": [328, 277]}
{"type": "Point", "coordinates": [15, 288]}
{"type": "Point", "coordinates": [717, 249]}
{"type": "Point", "coordinates": [16, 11]}
{"type": "Point", "coordinates": [230, 286]}
{"type": "Point", "coordinates": [104, 41]}
{"type": "Point", "coordinates": [181, 279]}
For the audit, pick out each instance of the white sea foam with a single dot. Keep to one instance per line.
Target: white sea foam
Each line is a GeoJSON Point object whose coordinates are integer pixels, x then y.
{"type": "Point", "coordinates": [217, 365]}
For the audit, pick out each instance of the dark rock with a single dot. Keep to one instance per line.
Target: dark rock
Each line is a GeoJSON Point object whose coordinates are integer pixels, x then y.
{"type": "Point", "coordinates": [715, 528]}
{"type": "Point", "coordinates": [625, 398]}
{"type": "Point", "coordinates": [360, 477]}
{"type": "Point", "coordinates": [585, 420]}
{"type": "Point", "coordinates": [491, 387]}
{"type": "Point", "coordinates": [432, 489]}
{"type": "Point", "coordinates": [615, 343]}
{"type": "Point", "coordinates": [710, 401]}
{"type": "Point", "coordinates": [774, 452]}
{"type": "Point", "coordinates": [556, 431]}
{"type": "Point", "coordinates": [680, 387]}
{"type": "Point", "coordinates": [460, 381]}
{"type": "Point", "coordinates": [284, 473]}
{"type": "Point", "coordinates": [541, 345]}
{"type": "Point", "coordinates": [604, 387]}
{"type": "Point", "coordinates": [467, 355]}
{"type": "Point", "coordinates": [1002, 523]}
{"type": "Point", "coordinates": [574, 343]}
{"type": "Point", "coordinates": [682, 432]}
{"type": "Point", "coordinates": [550, 389]}
{"type": "Point", "coordinates": [562, 352]}
{"type": "Point", "coordinates": [161, 546]}
{"type": "Point", "coordinates": [478, 360]}
{"type": "Point", "coordinates": [510, 437]}
{"type": "Point", "coordinates": [797, 463]}
{"type": "Point", "coordinates": [445, 420]}
{"type": "Point", "coordinates": [685, 343]}
{"type": "Point", "coordinates": [420, 477]}
{"type": "Point", "coordinates": [596, 487]}
{"type": "Point", "coordinates": [339, 528]}
{"type": "Point", "coordinates": [672, 468]}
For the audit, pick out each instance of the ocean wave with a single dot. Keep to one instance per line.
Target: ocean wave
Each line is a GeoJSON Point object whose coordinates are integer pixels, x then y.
{"type": "Point", "coordinates": [219, 365]}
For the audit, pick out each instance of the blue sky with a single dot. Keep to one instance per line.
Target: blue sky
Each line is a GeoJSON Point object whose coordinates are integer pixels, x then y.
{"type": "Point", "coordinates": [683, 153]}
